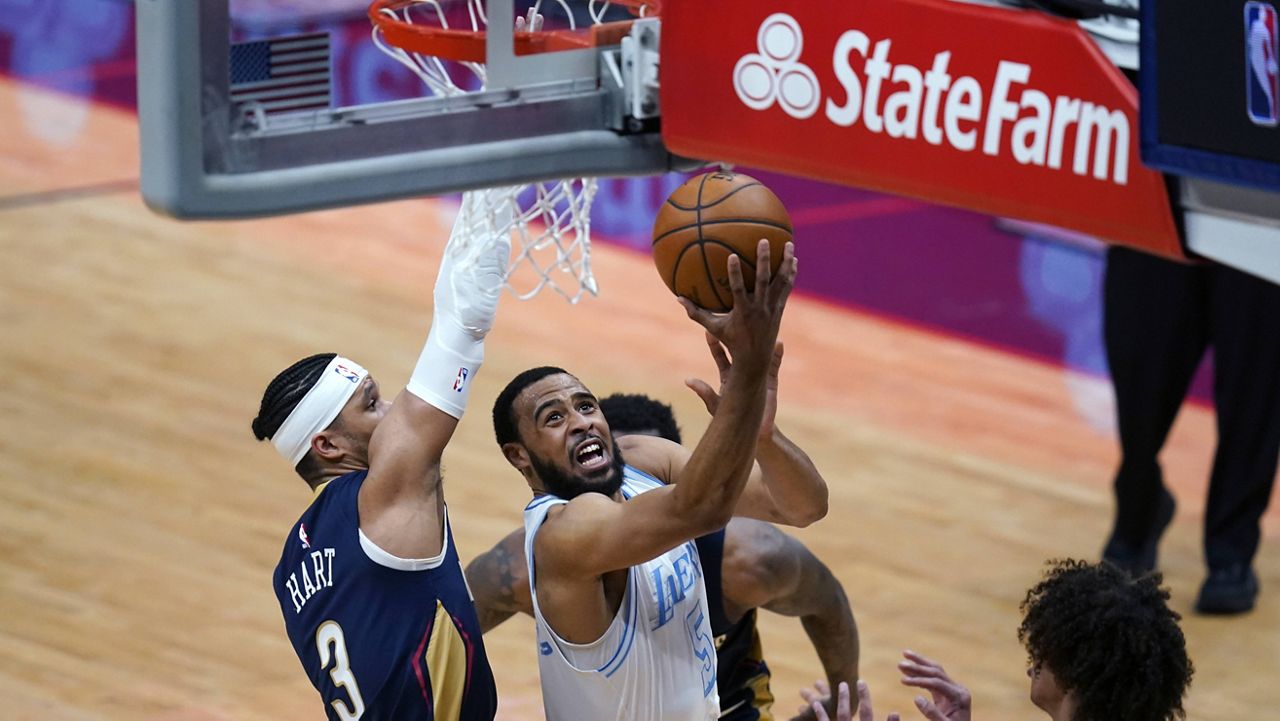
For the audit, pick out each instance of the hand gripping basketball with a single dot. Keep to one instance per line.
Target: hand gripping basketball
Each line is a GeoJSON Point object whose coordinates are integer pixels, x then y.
{"type": "Point", "coordinates": [750, 331]}
{"type": "Point", "coordinates": [708, 219]}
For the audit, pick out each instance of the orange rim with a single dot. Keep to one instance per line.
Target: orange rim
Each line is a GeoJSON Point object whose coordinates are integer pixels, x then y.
{"type": "Point", "coordinates": [469, 45]}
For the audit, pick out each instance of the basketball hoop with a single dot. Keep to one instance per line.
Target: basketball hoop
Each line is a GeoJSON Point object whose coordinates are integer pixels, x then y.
{"type": "Point", "coordinates": [443, 43]}
{"type": "Point", "coordinates": [399, 27]}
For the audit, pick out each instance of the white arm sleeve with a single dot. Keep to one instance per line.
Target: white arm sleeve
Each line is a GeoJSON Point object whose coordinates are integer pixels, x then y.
{"type": "Point", "coordinates": [445, 368]}
{"type": "Point", "coordinates": [468, 286]}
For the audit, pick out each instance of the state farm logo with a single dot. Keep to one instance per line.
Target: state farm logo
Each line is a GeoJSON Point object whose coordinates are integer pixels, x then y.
{"type": "Point", "coordinates": [1003, 115]}
{"type": "Point", "coordinates": [773, 75]}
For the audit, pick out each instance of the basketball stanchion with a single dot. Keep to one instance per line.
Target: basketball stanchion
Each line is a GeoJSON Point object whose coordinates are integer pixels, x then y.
{"type": "Point", "coordinates": [443, 42]}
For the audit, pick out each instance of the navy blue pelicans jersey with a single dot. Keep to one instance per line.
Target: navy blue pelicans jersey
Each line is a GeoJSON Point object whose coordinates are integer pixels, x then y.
{"type": "Point", "coordinates": [381, 638]}
{"type": "Point", "coordinates": [742, 676]}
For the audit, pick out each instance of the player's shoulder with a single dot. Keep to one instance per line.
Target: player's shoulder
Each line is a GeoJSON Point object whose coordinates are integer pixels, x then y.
{"type": "Point", "coordinates": [567, 524]}
{"type": "Point", "coordinates": [756, 559]}
{"type": "Point", "coordinates": [332, 513]}
{"type": "Point", "coordinates": [756, 537]}
{"type": "Point", "coordinates": [567, 520]}
{"type": "Point", "coordinates": [580, 505]}
{"type": "Point", "coordinates": [641, 443]}
{"type": "Point", "coordinates": [654, 457]}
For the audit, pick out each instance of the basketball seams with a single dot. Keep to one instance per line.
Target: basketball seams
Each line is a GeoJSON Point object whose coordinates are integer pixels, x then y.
{"type": "Point", "coordinates": [711, 279]}
{"type": "Point", "coordinates": [706, 264]}
{"type": "Point", "coordinates": [698, 210]}
{"type": "Point", "coordinates": [675, 264]}
{"type": "Point", "coordinates": [712, 204]}
{"type": "Point", "coordinates": [730, 194]}
{"type": "Point", "coordinates": [747, 221]}
{"type": "Point", "coordinates": [732, 250]}
{"type": "Point", "coordinates": [757, 215]}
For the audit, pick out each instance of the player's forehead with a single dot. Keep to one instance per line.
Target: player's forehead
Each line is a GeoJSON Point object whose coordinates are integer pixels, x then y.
{"type": "Point", "coordinates": [558, 387]}
{"type": "Point", "coordinates": [360, 398]}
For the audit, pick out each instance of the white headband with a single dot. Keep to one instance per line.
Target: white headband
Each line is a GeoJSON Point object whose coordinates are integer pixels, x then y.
{"type": "Point", "coordinates": [318, 408]}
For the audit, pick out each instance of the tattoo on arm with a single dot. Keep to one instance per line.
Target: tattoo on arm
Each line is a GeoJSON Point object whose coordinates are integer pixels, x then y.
{"type": "Point", "coordinates": [493, 579]}
{"type": "Point", "coordinates": [766, 568]}
{"type": "Point", "coordinates": [820, 602]}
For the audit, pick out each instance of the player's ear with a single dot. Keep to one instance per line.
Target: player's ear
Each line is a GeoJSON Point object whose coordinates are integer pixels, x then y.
{"type": "Point", "coordinates": [325, 448]}
{"type": "Point", "coordinates": [517, 455]}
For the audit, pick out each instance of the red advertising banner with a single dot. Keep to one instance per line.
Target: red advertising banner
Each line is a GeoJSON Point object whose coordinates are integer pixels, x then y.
{"type": "Point", "coordinates": [1001, 111]}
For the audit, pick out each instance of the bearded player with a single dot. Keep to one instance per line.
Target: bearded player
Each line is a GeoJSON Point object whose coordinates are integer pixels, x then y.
{"type": "Point", "coordinates": [616, 582]}
{"type": "Point", "coordinates": [747, 565]}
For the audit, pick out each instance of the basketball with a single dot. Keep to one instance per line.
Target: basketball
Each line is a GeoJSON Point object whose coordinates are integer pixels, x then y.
{"type": "Point", "coordinates": [708, 219]}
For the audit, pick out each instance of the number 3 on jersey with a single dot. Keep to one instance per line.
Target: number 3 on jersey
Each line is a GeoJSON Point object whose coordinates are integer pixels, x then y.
{"type": "Point", "coordinates": [703, 647]}
{"type": "Point", "coordinates": [328, 636]}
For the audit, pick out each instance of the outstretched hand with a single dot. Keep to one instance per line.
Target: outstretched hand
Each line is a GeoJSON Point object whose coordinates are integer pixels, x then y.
{"type": "Point", "coordinates": [843, 712]}
{"type": "Point", "coordinates": [711, 397]}
{"type": "Point", "coordinates": [819, 698]}
{"type": "Point", "coordinates": [749, 331]}
{"type": "Point", "coordinates": [471, 278]}
{"type": "Point", "coordinates": [951, 701]}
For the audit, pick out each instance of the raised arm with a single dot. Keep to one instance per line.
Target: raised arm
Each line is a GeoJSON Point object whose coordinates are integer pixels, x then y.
{"type": "Point", "coordinates": [401, 508]}
{"type": "Point", "coordinates": [591, 535]}
{"type": "Point", "coordinates": [785, 486]}
{"type": "Point", "coordinates": [787, 489]}
{"type": "Point", "coordinates": [765, 568]}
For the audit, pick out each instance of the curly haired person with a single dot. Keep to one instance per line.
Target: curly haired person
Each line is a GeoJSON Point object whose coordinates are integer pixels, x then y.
{"type": "Point", "coordinates": [1102, 646]}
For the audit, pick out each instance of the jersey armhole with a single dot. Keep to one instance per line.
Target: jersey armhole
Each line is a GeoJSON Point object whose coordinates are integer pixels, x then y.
{"type": "Point", "coordinates": [375, 553]}
{"type": "Point", "coordinates": [627, 613]}
{"type": "Point", "coordinates": [659, 482]}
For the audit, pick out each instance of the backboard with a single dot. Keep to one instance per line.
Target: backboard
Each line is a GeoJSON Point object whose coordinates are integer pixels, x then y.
{"type": "Point", "coordinates": [211, 151]}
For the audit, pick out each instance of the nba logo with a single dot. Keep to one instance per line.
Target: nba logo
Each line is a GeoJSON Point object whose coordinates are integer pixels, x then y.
{"type": "Point", "coordinates": [1262, 77]}
{"type": "Point", "coordinates": [461, 380]}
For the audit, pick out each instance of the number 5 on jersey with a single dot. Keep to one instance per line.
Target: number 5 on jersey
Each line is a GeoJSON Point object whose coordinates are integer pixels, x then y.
{"type": "Point", "coordinates": [703, 647]}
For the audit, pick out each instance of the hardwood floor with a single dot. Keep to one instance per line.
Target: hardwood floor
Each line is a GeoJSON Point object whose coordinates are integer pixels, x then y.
{"type": "Point", "coordinates": [141, 522]}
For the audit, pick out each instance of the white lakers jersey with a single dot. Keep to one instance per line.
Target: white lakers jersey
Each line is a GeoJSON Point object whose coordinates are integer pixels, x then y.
{"type": "Point", "coordinates": [657, 660]}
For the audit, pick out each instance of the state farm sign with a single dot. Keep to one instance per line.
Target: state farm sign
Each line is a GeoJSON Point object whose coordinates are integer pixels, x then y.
{"type": "Point", "coordinates": [1001, 111]}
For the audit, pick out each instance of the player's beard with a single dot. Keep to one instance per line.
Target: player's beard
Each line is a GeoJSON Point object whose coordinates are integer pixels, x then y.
{"type": "Point", "coordinates": [559, 482]}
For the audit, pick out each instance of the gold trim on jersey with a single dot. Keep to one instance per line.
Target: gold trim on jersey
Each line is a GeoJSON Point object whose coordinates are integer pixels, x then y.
{"type": "Point", "coordinates": [762, 697]}
{"type": "Point", "coordinates": [446, 660]}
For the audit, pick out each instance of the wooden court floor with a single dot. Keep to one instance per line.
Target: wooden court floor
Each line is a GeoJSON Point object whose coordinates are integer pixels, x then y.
{"type": "Point", "coordinates": [140, 522]}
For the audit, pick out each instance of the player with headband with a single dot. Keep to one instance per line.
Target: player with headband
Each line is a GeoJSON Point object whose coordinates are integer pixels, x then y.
{"type": "Point", "coordinates": [369, 582]}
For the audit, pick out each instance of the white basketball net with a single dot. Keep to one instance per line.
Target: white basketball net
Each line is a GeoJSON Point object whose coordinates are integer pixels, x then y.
{"type": "Point", "coordinates": [549, 223]}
